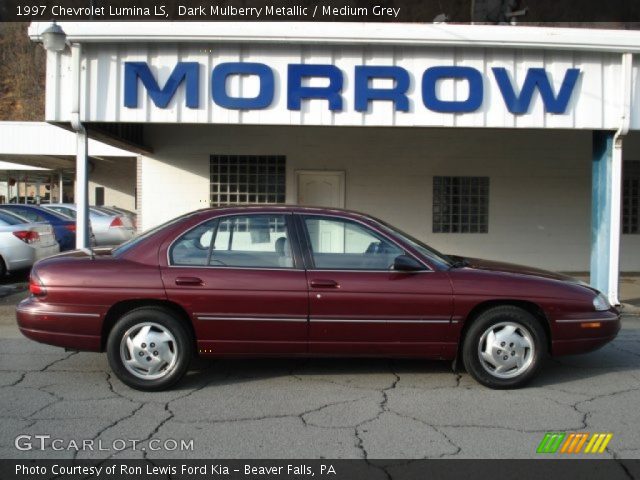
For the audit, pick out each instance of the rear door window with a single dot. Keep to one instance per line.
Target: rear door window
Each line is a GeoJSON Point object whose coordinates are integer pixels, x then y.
{"type": "Point", "coordinates": [241, 241]}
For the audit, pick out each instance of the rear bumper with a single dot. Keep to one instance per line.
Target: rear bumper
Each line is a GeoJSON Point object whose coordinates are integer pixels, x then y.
{"type": "Point", "coordinates": [584, 334]}
{"type": "Point", "coordinates": [44, 252]}
{"type": "Point", "coordinates": [17, 254]}
{"type": "Point", "coordinates": [78, 329]}
{"type": "Point", "coordinates": [19, 264]}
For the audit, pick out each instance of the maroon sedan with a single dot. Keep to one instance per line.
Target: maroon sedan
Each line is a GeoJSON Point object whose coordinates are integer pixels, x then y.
{"type": "Point", "coordinates": [296, 281]}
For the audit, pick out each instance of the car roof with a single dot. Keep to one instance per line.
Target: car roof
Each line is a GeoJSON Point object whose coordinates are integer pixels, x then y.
{"type": "Point", "coordinates": [283, 208]}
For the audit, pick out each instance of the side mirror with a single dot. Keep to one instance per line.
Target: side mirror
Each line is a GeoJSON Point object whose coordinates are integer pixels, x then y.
{"type": "Point", "coordinates": [405, 263]}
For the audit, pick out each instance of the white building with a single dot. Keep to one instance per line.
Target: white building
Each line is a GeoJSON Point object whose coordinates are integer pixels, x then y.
{"type": "Point", "coordinates": [37, 162]}
{"type": "Point", "coordinates": [491, 141]}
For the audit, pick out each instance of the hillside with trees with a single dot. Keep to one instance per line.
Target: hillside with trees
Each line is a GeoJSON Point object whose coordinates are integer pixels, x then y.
{"type": "Point", "coordinates": [22, 74]}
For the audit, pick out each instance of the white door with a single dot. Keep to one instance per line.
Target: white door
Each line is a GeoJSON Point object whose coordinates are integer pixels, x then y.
{"type": "Point", "coordinates": [323, 189]}
{"type": "Point", "coordinates": [320, 188]}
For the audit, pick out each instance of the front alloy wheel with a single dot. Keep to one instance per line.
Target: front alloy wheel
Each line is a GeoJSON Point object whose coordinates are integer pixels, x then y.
{"type": "Point", "coordinates": [506, 350]}
{"type": "Point", "coordinates": [149, 348]}
{"type": "Point", "coordinates": [504, 347]}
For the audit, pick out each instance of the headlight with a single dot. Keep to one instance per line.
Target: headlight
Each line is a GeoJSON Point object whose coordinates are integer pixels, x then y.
{"type": "Point", "coordinates": [600, 303]}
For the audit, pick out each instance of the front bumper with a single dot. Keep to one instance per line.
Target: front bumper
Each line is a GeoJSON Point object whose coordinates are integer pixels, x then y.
{"type": "Point", "coordinates": [71, 327]}
{"type": "Point", "coordinates": [581, 334]}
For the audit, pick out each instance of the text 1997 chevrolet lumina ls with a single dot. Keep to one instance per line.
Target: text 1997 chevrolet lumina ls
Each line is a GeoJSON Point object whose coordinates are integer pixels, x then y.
{"type": "Point", "coordinates": [300, 281]}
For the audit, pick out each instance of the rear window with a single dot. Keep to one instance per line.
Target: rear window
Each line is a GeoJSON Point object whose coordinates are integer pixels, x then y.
{"type": "Point", "coordinates": [48, 213]}
{"type": "Point", "coordinates": [64, 211]}
{"type": "Point", "coordinates": [100, 212]}
{"type": "Point", "coordinates": [106, 210]}
{"type": "Point", "coordinates": [28, 213]}
{"type": "Point", "coordinates": [128, 245]}
{"type": "Point", "coordinates": [9, 219]}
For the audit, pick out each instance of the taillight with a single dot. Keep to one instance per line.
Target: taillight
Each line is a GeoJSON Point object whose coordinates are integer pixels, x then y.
{"type": "Point", "coordinates": [36, 287]}
{"type": "Point", "coordinates": [71, 227]}
{"type": "Point", "coordinates": [116, 222]}
{"type": "Point", "coordinates": [27, 236]}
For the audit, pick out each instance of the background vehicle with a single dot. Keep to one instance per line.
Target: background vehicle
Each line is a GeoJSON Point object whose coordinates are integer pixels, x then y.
{"type": "Point", "coordinates": [22, 243]}
{"type": "Point", "coordinates": [302, 281]}
{"type": "Point", "coordinates": [109, 229]}
{"type": "Point", "coordinates": [113, 210]}
{"type": "Point", "coordinates": [64, 227]}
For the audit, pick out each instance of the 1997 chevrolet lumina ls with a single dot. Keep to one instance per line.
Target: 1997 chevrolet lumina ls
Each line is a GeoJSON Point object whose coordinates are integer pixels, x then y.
{"type": "Point", "coordinates": [301, 281]}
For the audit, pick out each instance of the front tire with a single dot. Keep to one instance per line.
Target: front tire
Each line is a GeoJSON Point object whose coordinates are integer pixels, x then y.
{"type": "Point", "coordinates": [149, 348]}
{"type": "Point", "coordinates": [504, 347]}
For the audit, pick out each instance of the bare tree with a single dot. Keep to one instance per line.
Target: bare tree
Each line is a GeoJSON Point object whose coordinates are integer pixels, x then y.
{"type": "Point", "coordinates": [22, 74]}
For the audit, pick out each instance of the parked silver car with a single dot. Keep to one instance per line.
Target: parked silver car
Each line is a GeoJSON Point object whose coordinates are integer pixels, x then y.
{"type": "Point", "coordinates": [109, 229]}
{"type": "Point", "coordinates": [22, 243]}
{"type": "Point", "coordinates": [113, 210]}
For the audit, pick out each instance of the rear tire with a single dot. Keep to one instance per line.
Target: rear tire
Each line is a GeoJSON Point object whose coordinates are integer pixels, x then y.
{"type": "Point", "coordinates": [149, 348]}
{"type": "Point", "coordinates": [504, 347]}
{"type": "Point", "coordinates": [3, 268]}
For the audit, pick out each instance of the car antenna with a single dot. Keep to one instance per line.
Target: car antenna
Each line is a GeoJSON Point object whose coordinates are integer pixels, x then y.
{"type": "Point", "coordinates": [89, 251]}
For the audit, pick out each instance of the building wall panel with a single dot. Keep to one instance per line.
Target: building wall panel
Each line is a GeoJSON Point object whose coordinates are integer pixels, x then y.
{"type": "Point", "coordinates": [540, 194]}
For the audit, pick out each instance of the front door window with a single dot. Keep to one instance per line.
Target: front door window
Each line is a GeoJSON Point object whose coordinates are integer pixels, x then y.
{"type": "Point", "coordinates": [340, 244]}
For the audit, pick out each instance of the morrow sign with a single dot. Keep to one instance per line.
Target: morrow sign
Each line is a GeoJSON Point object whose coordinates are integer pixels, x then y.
{"type": "Point", "coordinates": [516, 99]}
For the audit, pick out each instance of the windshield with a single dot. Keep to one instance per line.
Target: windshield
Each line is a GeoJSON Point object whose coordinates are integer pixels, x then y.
{"type": "Point", "coordinates": [431, 253]}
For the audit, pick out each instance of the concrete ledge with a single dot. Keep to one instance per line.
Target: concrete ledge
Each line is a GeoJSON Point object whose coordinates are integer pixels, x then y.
{"type": "Point", "coordinates": [630, 309]}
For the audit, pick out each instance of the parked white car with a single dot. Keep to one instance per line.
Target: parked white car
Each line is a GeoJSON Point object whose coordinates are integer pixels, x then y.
{"type": "Point", "coordinates": [108, 228]}
{"type": "Point", "coordinates": [22, 243]}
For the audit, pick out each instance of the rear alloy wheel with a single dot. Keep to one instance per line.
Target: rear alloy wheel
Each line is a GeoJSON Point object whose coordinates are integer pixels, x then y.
{"type": "Point", "coordinates": [504, 347]}
{"type": "Point", "coordinates": [149, 348]}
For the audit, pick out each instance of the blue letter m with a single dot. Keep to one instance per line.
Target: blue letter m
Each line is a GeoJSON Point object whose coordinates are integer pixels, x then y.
{"type": "Point", "coordinates": [189, 71]}
{"type": "Point", "coordinates": [536, 78]}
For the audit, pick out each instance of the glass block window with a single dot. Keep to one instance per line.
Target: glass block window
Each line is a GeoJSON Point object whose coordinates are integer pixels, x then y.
{"type": "Point", "coordinates": [631, 197]}
{"type": "Point", "coordinates": [460, 204]}
{"type": "Point", "coordinates": [247, 179]}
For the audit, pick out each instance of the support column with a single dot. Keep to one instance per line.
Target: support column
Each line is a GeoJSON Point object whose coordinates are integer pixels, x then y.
{"type": "Point", "coordinates": [60, 187]}
{"type": "Point", "coordinates": [606, 189]}
{"type": "Point", "coordinates": [82, 190]}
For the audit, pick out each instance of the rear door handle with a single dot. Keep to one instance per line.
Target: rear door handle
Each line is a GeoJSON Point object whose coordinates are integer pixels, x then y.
{"type": "Point", "coordinates": [189, 281]}
{"type": "Point", "coordinates": [324, 283]}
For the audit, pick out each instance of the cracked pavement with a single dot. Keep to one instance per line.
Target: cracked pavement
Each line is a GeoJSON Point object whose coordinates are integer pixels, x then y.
{"type": "Point", "coordinates": [327, 408]}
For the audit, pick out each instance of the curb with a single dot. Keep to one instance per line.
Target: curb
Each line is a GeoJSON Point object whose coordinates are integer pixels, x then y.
{"type": "Point", "coordinates": [629, 309]}
{"type": "Point", "coordinates": [6, 290]}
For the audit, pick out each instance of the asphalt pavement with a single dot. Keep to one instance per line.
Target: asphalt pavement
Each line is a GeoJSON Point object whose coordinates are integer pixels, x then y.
{"type": "Point", "coordinates": [343, 408]}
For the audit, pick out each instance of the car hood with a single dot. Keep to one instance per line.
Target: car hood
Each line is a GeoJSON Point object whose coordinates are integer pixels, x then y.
{"type": "Point", "coordinates": [494, 266]}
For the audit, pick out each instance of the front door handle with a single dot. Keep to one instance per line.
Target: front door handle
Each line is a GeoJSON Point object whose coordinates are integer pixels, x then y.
{"type": "Point", "coordinates": [189, 281]}
{"type": "Point", "coordinates": [324, 283]}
